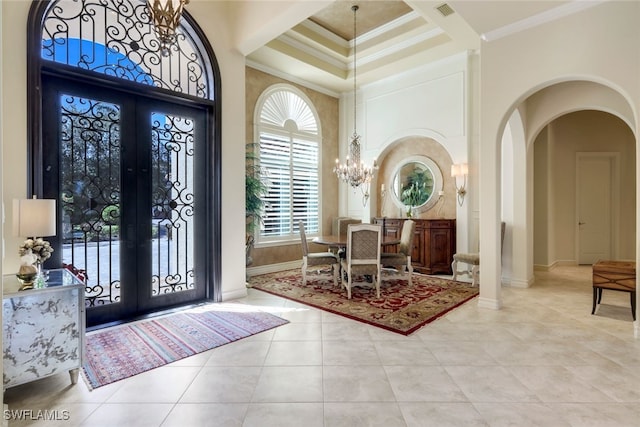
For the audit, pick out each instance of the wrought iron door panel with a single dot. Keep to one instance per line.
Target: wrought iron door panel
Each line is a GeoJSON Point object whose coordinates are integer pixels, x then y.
{"type": "Point", "coordinates": [90, 195]}
{"type": "Point", "coordinates": [172, 204]}
{"type": "Point", "coordinates": [129, 173]}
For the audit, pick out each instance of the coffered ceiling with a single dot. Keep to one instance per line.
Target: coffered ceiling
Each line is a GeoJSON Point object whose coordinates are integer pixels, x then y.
{"type": "Point", "coordinates": [392, 36]}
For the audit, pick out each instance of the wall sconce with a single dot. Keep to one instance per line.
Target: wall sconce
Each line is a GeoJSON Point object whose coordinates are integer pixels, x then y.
{"type": "Point", "coordinates": [460, 170]}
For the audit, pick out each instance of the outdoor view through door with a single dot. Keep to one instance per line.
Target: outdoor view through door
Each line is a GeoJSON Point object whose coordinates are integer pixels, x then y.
{"type": "Point", "coordinates": [126, 140]}
{"type": "Point", "coordinates": [128, 194]}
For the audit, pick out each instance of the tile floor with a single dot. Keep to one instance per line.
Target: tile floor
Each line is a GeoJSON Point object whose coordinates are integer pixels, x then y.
{"type": "Point", "coordinates": [543, 360]}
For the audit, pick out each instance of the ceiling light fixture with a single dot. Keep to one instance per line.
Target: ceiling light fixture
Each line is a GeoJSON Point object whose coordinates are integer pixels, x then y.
{"type": "Point", "coordinates": [165, 17]}
{"type": "Point", "coordinates": [353, 171]}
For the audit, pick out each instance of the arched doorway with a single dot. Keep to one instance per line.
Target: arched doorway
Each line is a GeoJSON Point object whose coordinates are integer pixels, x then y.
{"type": "Point", "coordinates": [128, 143]}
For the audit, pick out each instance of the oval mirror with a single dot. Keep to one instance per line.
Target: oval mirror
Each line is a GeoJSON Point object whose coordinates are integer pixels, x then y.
{"type": "Point", "coordinates": [417, 182]}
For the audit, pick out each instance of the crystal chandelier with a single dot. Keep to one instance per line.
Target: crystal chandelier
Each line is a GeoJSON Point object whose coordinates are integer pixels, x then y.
{"type": "Point", "coordinates": [353, 171]}
{"type": "Point", "coordinates": [165, 15]}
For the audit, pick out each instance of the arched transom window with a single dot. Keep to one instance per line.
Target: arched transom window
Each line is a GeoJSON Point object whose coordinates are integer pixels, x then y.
{"type": "Point", "coordinates": [116, 38]}
{"type": "Point", "coordinates": [289, 152]}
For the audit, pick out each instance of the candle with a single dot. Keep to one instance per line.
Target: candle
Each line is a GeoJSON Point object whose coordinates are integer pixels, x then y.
{"type": "Point", "coordinates": [382, 188]}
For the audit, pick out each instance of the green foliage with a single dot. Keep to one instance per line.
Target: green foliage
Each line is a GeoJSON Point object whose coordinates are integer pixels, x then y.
{"type": "Point", "coordinates": [255, 188]}
{"type": "Point", "coordinates": [418, 188]}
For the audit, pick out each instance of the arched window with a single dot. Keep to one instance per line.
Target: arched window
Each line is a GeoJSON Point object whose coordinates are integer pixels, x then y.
{"type": "Point", "coordinates": [128, 143]}
{"type": "Point", "coordinates": [289, 135]}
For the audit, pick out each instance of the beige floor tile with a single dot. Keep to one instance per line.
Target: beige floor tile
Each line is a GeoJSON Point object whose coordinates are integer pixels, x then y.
{"type": "Point", "coordinates": [542, 360]}
{"type": "Point", "coordinates": [206, 414]}
{"type": "Point", "coordinates": [346, 352]}
{"type": "Point", "coordinates": [129, 414]}
{"type": "Point", "coordinates": [294, 353]}
{"type": "Point", "coordinates": [356, 384]}
{"type": "Point", "coordinates": [442, 414]}
{"type": "Point", "coordinates": [222, 384]}
{"type": "Point", "coordinates": [490, 384]}
{"type": "Point", "coordinates": [151, 386]}
{"type": "Point", "coordinates": [289, 384]}
{"type": "Point", "coordinates": [284, 415]}
{"type": "Point", "coordinates": [423, 384]}
{"type": "Point", "coordinates": [356, 414]}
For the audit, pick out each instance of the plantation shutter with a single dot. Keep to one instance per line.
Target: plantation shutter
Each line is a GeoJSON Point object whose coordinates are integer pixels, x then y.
{"type": "Point", "coordinates": [291, 166]}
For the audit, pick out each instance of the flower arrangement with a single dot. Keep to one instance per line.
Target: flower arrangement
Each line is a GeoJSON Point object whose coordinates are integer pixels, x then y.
{"type": "Point", "coordinates": [38, 247]}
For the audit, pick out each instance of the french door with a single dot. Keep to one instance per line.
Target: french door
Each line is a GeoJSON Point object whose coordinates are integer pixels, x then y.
{"type": "Point", "coordinates": [129, 175]}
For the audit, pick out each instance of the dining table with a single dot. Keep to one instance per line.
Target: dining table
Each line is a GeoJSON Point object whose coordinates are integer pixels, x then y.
{"type": "Point", "coordinates": [341, 240]}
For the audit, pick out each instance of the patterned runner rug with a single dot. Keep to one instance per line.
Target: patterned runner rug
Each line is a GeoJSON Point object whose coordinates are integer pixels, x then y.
{"type": "Point", "coordinates": [123, 351]}
{"type": "Point", "coordinates": [400, 309]}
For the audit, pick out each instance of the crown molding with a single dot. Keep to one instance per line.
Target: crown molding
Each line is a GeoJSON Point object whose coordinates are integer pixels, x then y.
{"type": "Point", "coordinates": [539, 19]}
{"type": "Point", "coordinates": [290, 78]}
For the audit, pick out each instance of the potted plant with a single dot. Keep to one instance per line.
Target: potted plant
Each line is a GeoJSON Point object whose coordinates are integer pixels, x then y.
{"type": "Point", "coordinates": [255, 190]}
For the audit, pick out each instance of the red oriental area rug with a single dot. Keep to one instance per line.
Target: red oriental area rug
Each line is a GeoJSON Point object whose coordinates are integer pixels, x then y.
{"type": "Point", "coordinates": [123, 351]}
{"type": "Point", "coordinates": [400, 308]}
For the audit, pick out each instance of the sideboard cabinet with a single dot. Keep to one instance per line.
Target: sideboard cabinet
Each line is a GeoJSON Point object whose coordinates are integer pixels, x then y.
{"type": "Point", "coordinates": [42, 329]}
{"type": "Point", "coordinates": [434, 242]}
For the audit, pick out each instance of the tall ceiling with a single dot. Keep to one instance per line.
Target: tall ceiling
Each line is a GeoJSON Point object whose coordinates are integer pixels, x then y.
{"type": "Point", "coordinates": [393, 36]}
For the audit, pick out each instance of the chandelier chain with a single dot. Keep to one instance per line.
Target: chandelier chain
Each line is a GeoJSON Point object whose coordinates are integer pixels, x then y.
{"type": "Point", "coordinates": [355, 63]}
{"type": "Point", "coordinates": [354, 172]}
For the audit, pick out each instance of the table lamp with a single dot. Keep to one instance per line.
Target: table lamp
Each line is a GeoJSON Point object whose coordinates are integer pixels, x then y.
{"type": "Point", "coordinates": [34, 219]}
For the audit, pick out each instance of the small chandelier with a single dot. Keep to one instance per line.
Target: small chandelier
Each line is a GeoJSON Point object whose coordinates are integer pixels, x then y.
{"type": "Point", "coordinates": [165, 16]}
{"type": "Point", "coordinates": [353, 171]}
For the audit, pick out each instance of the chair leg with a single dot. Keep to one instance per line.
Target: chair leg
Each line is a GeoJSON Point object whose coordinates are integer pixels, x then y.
{"type": "Point", "coordinates": [348, 284]}
{"type": "Point", "coordinates": [410, 270]}
{"type": "Point", "coordinates": [335, 268]}
{"type": "Point", "coordinates": [304, 272]}
{"type": "Point", "coordinates": [475, 273]}
{"type": "Point", "coordinates": [454, 268]}
{"type": "Point", "coordinates": [378, 284]}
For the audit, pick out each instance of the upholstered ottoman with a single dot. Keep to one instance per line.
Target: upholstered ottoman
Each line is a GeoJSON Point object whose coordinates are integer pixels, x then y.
{"type": "Point", "coordinates": [616, 276]}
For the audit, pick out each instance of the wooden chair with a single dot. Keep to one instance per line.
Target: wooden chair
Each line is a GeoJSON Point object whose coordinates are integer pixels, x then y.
{"type": "Point", "coordinates": [401, 260]}
{"type": "Point", "coordinates": [363, 254]}
{"type": "Point", "coordinates": [472, 259]}
{"type": "Point", "coordinates": [317, 259]}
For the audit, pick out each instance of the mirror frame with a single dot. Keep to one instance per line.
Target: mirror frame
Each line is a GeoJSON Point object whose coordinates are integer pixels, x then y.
{"type": "Point", "coordinates": [437, 182]}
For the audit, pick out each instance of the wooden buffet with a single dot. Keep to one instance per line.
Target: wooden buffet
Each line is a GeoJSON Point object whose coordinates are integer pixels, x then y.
{"type": "Point", "coordinates": [434, 242]}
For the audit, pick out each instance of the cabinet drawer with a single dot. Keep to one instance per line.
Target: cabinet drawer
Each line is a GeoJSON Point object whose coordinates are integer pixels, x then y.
{"type": "Point", "coordinates": [439, 223]}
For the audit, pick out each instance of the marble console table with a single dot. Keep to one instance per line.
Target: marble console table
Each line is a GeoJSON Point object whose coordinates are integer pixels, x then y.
{"type": "Point", "coordinates": [43, 329]}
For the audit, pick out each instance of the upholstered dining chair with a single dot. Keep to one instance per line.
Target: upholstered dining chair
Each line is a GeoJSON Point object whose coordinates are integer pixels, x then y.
{"type": "Point", "coordinates": [401, 260]}
{"type": "Point", "coordinates": [363, 254]}
{"type": "Point", "coordinates": [317, 259]}
{"type": "Point", "coordinates": [472, 259]}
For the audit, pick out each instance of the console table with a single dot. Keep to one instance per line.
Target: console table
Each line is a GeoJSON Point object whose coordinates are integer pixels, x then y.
{"type": "Point", "coordinates": [434, 242]}
{"type": "Point", "coordinates": [42, 329]}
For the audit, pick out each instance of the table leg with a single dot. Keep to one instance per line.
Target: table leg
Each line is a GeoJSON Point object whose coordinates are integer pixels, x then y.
{"type": "Point", "coordinates": [633, 304]}
{"type": "Point", "coordinates": [73, 373]}
{"type": "Point", "coordinates": [595, 298]}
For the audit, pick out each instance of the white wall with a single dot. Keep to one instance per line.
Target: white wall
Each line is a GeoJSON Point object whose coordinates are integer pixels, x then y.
{"type": "Point", "coordinates": [599, 44]}
{"type": "Point", "coordinates": [430, 101]}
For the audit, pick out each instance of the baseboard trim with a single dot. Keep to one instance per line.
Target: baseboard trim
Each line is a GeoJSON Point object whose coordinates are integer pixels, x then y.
{"type": "Point", "coordinates": [518, 283]}
{"type": "Point", "coordinates": [562, 263]}
{"type": "Point", "coordinates": [235, 294]}
{"type": "Point", "coordinates": [273, 268]}
{"type": "Point", "coordinates": [489, 303]}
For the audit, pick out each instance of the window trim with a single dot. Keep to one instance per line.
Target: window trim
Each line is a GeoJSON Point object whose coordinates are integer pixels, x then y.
{"type": "Point", "coordinates": [259, 127]}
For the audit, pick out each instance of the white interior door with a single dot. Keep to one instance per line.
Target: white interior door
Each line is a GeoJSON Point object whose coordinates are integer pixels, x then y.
{"type": "Point", "coordinates": [595, 202]}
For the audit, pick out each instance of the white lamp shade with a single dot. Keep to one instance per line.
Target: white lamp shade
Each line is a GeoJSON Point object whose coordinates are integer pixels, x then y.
{"type": "Point", "coordinates": [34, 217]}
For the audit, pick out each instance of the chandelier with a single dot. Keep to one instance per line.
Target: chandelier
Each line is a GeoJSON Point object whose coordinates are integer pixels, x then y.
{"type": "Point", "coordinates": [165, 15]}
{"type": "Point", "coordinates": [353, 171]}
